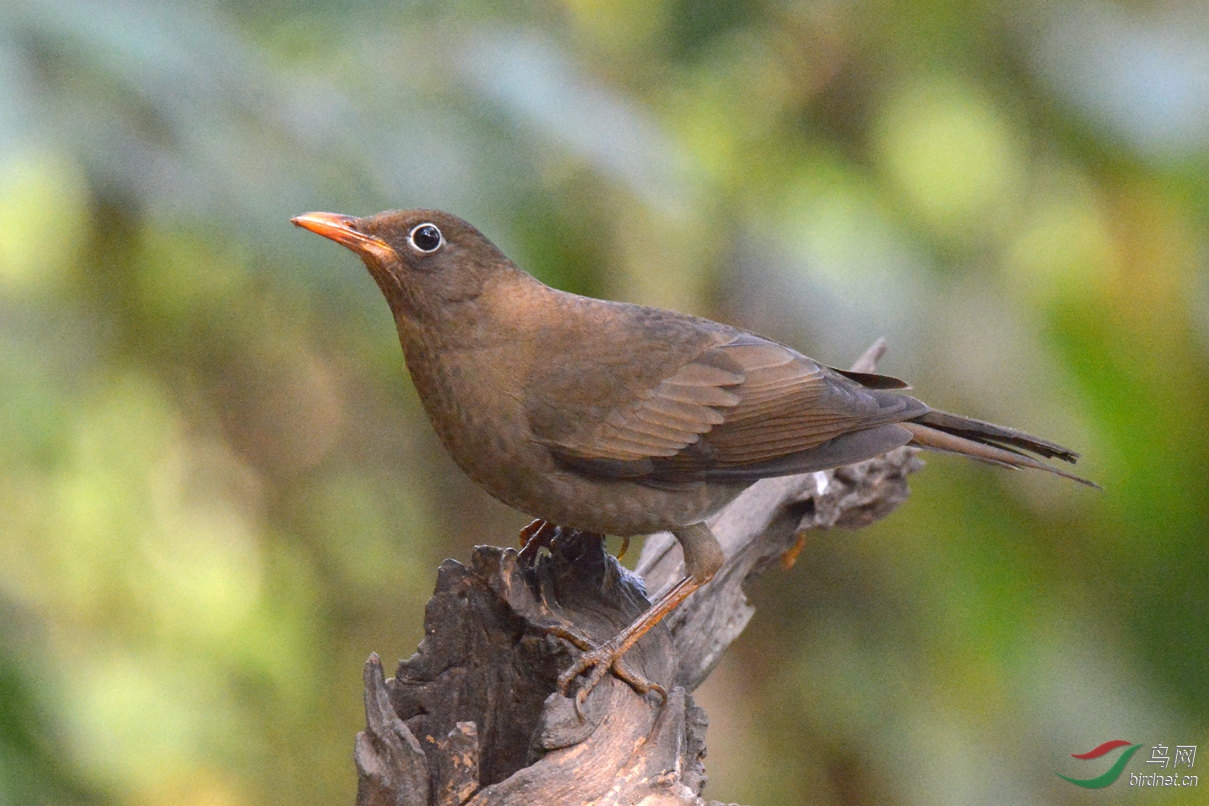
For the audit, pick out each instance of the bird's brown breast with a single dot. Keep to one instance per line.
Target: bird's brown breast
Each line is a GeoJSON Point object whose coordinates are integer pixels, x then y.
{"type": "Point", "coordinates": [534, 367]}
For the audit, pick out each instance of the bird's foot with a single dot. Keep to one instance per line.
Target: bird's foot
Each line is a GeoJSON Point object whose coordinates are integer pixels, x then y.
{"type": "Point", "coordinates": [598, 661]}
{"type": "Point", "coordinates": [539, 534]}
{"type": "Point", "coordinates": [535, 536]}
{"type": "Point", "coordinates": [790, 557]}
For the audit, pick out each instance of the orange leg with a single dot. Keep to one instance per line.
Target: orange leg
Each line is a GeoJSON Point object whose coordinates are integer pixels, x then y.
{"type": "Point", "coordinates": [702, 558]}
{"type": "Point", "coordinates": [608, 655]}
{"type": "Point", "coordinates": [536, 535]}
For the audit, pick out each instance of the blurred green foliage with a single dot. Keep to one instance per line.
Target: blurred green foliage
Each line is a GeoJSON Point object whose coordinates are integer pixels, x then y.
{"type": "Point", "coordinates": [218, 493]}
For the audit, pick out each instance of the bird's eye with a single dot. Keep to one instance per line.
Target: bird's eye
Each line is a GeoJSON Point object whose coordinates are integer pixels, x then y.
{"type": "Point", "coordinates": [426, 238]}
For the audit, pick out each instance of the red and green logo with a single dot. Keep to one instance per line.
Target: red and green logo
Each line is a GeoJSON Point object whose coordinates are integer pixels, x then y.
{"type": "Point", "coordinates": [1113, 773]}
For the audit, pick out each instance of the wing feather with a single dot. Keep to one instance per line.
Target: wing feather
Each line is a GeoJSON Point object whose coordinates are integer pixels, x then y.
{"type": "Point", "coordinates": [741, 408]}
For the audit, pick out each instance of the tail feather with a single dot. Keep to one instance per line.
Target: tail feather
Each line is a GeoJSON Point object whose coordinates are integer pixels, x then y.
{"type": "Point", "coordinates": [988, 442]}
{"type": "Point", "coordinates": [998, 435]}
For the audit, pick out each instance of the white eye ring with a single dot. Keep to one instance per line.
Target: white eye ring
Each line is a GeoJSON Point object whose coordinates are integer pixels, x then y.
{"type": "Point", "coordinates": [426, 238]}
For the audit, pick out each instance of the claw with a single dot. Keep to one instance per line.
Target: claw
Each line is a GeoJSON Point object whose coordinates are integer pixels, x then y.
{"type": "Point", "coordinates": [601, 659]}
{"type": "Point", "coordinates": [571, 637]}
{"type": "Point", "coordinates": [791, 555]}
{"type": "Point", "coordinates": [536, 535]}
{"type": "Point", "coordinates": [598, 661]}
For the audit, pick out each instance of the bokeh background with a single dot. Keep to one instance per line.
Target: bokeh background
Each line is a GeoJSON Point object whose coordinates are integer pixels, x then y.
{"type": "Point", "coordinates": [218, 493]}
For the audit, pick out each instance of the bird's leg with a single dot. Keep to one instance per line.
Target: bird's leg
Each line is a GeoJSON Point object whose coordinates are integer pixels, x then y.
{"type": "Point", "coordinates": [534, 537]}
{"type": "Point", "coordinates": [608, 656]}
{"type": "Point", "coordinates": [703, 557]}
{"type": "Point", "coordinates": [539, 533]}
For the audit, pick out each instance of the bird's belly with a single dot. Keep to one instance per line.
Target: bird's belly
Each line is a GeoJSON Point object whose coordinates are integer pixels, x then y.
{"type": "Point", "coordinates": [492, 445]}
{"type": "Point", "coordinates": [614, 507]}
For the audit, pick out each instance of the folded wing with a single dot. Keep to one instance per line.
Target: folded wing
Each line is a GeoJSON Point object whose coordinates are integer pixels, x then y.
{"type": "Point", "coordinates": [740, 410]}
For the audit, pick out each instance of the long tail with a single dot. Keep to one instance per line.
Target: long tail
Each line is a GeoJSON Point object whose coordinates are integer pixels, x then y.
{"type": "Point", "coordinates": [988, 442]}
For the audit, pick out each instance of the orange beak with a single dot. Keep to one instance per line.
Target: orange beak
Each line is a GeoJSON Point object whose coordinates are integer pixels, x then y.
{"type": "Point", "coordinates": [344, 230]}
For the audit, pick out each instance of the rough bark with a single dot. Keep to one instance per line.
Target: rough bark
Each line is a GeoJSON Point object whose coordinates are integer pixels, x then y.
{"type": "Point", "coordinates": [474, 717]}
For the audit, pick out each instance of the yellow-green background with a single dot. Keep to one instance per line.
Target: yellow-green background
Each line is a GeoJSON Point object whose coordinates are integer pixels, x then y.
{"type": "Point", "coordinates": [218, 493]}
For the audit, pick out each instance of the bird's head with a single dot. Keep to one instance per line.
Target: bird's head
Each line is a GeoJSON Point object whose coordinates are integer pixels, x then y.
{"type": "Point", "coordinates": [425, 261]}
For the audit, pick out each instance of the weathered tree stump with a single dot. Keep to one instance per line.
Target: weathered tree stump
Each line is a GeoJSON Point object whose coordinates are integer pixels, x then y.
{"type": "Point", "coordinates": [474, 717]}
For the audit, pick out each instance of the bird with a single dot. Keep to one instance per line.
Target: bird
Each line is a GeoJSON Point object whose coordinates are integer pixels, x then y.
{"type": "Point", "coordinates": [622, 419]}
